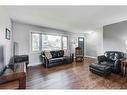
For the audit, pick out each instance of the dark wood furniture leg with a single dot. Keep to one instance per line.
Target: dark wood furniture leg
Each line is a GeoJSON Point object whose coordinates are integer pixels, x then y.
{"type": "Point", "coordinates": [22, 83]}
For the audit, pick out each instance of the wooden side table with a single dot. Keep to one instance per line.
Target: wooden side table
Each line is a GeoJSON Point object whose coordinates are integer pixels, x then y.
{"type": "Point", "coordinates": [14, 80]}
{"type": "Point", "coordinates": [124, 67]}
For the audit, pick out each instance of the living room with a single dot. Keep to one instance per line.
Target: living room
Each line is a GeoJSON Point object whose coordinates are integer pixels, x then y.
{"type": "Point", "coordinates": [46, 39]}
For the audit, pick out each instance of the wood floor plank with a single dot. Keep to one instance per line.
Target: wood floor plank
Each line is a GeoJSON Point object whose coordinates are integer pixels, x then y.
{"type": "Point", "coordinates": [72, 76]}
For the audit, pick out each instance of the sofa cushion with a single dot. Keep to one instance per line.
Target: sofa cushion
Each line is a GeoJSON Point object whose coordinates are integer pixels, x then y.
{"type": "Point", "coordinates": [106, 54]}
{"type": "Point", "coordinates": [113, 55]}
{"type": "Point", "coordinates": [48, 54]}
{"type": "Point", "coordinates": [55, 60]}
{"type": "Point", "coordinates": [54, 54]}
{"type": "Point", "coordinates": [118, 55]}
{"type": "Point", "coordinates": [102, 70]}
{"type": "Point", "coordinates": [60, 53]}
{"type": "Point", "coordinates": [106, 63]}
{"type": "Point", "coordinates": [65, 52]}
{"type": "Point", "coordinates": [102, 67]}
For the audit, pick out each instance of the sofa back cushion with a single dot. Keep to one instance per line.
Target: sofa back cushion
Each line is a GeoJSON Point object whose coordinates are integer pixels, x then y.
{"type": "Point", "coordinates": [54, 54]}
{"type": "Point", "coordinates": [57, 54]}
{"type": "Point", "coordinates": [113, 55]}
{"type": "Point", "coordinates": [60, 53]}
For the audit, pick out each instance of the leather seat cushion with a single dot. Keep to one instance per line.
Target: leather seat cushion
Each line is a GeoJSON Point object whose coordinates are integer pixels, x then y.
{"type": "Point", "coordinates": [55, 60]}
{"type": "Point", "coordinates": [106, 63]}
{"type": "Point", "coordinates": [102, 67]}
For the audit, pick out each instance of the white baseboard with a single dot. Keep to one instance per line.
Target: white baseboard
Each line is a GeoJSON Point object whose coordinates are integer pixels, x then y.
{"type": "Point", "coordinates": [74, 57]}
{"type": "Point", "coordinates": [34, 64]}
{"type": "Point", "coordinates": [91, 57]}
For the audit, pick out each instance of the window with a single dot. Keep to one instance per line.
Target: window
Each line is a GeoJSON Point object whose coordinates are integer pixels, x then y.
{"type": "Point", "coordinates": [64, 42]}
{"type": "Point", "coordinates": [51, 42]}
{"type": "Point", "coordinates": [35, 42]}
{"type": "Point", "coordinates": [47, 42]}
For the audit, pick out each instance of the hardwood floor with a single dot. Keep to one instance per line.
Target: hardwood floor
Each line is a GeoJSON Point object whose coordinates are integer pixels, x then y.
{"type": "Point", "coordinates": [72, 76]}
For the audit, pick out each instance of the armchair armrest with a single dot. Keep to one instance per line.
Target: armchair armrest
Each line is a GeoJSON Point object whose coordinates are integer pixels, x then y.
{"type": "Point", "coordinates": [117, 64]}
{"type": "Point", "coordinates": [121, 59]}
{"type": "Point", "coordinates": [101, 58]}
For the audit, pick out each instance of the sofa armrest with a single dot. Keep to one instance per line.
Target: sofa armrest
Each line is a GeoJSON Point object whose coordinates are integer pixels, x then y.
{"type": "Point", "coordinates": [118, 61]}
{"type": "Point", "coordinates": [44, 59]}
{"type": "Point", "coordinates": [117, 64]}
{"type": "Point", "coordinates": [101, 58]}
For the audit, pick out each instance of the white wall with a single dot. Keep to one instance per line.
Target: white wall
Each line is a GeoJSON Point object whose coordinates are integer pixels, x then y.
{"type": "Point", "coordinates": [115, 36]}
{"type": "Point", "coordinates": [74, 41]}
{"type": "Point", "coordinates": [21, 35]}
{"type": "Point", "coordinates": [5, 23]}
{"type": "Point", "coordinates": [94, 42]}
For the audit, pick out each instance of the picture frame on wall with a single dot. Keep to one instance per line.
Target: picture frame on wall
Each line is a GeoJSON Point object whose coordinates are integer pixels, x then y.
{"type": "Point", "coordinates": [7, 34]}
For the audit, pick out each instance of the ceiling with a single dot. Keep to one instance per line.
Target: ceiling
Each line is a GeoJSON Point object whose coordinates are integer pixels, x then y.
{"type": "Point", "coordinates": [70, 18]}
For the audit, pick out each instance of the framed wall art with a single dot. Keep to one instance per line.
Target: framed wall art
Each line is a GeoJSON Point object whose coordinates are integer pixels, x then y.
{"type": "Point", "coordinates": [7, 34]}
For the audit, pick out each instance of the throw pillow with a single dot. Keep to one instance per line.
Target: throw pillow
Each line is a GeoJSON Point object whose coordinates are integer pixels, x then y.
{"type": "Point", "coordinates": [65, 52]}
{"type": "Point", "coordinates": [48, 54]}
